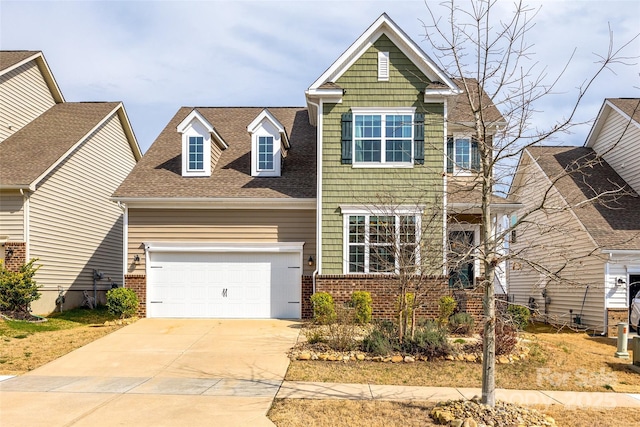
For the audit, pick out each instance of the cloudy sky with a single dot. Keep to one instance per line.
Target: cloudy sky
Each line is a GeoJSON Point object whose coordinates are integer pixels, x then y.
{"type": "Point", "coordinates": [156, 56]}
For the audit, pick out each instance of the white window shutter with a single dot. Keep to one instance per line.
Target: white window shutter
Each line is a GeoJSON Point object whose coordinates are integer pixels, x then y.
{"type": "Point", "coordinates": [383, 66]}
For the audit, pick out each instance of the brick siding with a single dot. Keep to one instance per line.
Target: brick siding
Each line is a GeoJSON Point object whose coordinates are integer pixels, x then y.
{"type": "Point", "coordinates": [138, 282]}
{"type": "Point", "coordinates": [18, 258]}
{"type": "Point", "coordinates": [307, 291]}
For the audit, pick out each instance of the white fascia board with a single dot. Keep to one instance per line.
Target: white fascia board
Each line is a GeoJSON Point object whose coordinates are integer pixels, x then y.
{"type": "Point", "coordinates": [56, 93]}
{"type": "Point", "coordinates": [75, 146]}
{"type": "Point", "coordinates": [194, 114]}
{"type": "Point", "coordinates": [221, 142]}
{"type": "Point", "coordinates": [605, 109]}
{"type": "Point", "coordinates": [128, 131]}
{"type": "Point", "coordinates": [384, 25]}
{"type": "Point", "coordinates": [266, 114]}
{"type": "Point", "coordinates": [621, 251]}
{"type": "Point", "coordinates": [436, 95]}
{"type": "Point", "coordinates": [384, 210]}
{"type": "Point", "coordinates": [27, 187]}
{"type": "Point", "coordinates": [274, 247]}
{"type": "Point", "coordinates": [216, 203]}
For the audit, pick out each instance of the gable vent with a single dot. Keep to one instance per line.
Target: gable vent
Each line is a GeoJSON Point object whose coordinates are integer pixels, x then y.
{"type": "Point", "coordinates": [383, 66]}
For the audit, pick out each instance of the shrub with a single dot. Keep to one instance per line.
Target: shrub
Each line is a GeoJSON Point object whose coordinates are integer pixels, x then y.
{"type": "Point", "coordinates": [341, 335]}
{"type": "Point", "coordinates": [429, 340]}
{"type": "Point", "coordinates": [315, 336]}
{"type": "Point", "coordinates": [506, 337]}
{"type": "Point", "coordinates": [519, 315]}
{"type": "Point", "coordinates": [461, 324]}
{"type": "Point", "coordinates": [361, 301]}
{"type": "Point", "coordinates": [377, 343]}
{"type": "Point", "coordinates": [324, 311]}
{"type": "Point", "coordinates": [18, 289]}
{"type": "Point", "coordinates": [446, 305]}
{"type": "Point", "coordinates": [122, 302]}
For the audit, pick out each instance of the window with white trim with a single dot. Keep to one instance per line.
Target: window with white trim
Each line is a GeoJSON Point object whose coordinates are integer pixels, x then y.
{"type": "Point", "coordinates": [265, 153]}
{"type": "Point", "coordinates": [380, 243]}
{"type": "Point", "coordinates": [196, 153]}
{"type": "Point", "coordinates": [383, 138]}
{"type": "Point", "coordinates": [462, 154]}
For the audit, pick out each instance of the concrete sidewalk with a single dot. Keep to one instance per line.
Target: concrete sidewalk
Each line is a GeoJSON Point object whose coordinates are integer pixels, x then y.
{"type": "Point", "coordinates": [311, 390]}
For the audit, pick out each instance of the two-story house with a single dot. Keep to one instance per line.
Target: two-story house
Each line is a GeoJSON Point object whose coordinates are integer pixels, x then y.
{"type": "Point", "coordinates": [580, 248]}
{"type": "Point", "coordinates": [245, 212]}
{"type": "Point", "coordinates": [59, 164]}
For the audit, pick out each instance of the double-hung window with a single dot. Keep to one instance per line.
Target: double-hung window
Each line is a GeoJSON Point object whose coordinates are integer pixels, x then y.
{"type": "Point", "coordinates": [462, 155]}
{"type": "Point", "coordinates": [381, 243]}
{"type": "Point", "coordinates": [196, 153]}
{"type": "Point", "coordinates": [265, 153]}
{"type": "Point", "coordinates": [383, 138]}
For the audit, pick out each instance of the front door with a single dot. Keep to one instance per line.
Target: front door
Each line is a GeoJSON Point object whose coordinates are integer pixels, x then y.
{"type": "Point", "coordinates": [460, 260]}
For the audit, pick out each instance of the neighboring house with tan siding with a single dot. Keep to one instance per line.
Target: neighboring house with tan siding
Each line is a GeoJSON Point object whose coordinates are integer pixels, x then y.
{"type": "Point", "coordinates": [59, 164]}
{"type": "Point", "coordinates": [245, 212]}
{"type": "Point", "coordinates": [594, 247]}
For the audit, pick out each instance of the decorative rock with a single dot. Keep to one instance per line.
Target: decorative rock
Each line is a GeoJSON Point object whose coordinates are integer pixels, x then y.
{"type": "Point", "coordinates": [470, 422]}
{"type": "Point", "coordinates": [314, 356]}
{"type": "Point", "coordinates": [386, 359]}
{"type": "Point", "coordinates": [323, 356]}
{"type": "Point", "coordinates": [470, 358]}
{"type": "Point", "coordinates": [360, 357]}
{"type": "Point", "coordinates": [304, 356]}
{"type": "Point", "coordinates": [409, 359]}
{"type": "Point", "coordinates": [503, 360]}
{"type": "Point", "coordinates": [396, 359]}
{"type": "Point", "coordinates": [449, 357]}
{"type": "Point", "coordinates": [378, 359]}
{"type": "Point", "coordinates": [456, 423]}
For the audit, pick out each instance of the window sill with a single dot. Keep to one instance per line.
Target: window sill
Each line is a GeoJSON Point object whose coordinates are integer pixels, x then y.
{"type": "Point", "coordinates": [382, 165]}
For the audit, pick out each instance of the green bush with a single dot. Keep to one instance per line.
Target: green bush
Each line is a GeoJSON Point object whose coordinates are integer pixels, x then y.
{"type": "Point", "coordinates": [362, 303]}
{"type": "Point", "coordinates": [519, 315]}
{"type": "Point", "coordinates": [18, 289]}
{"type": "Point", "coordinates": [446, 305]}
{"type": "Point", "coordinates": [429, 340]}
{"type": "Point", "coordinates": [122, 302]}
{"type": "Point", "coordinates": [377, 343]}
{"type": "Point", "coordinates": [324, 311]}
{"type": "Point", "coordinates": [461, 324]}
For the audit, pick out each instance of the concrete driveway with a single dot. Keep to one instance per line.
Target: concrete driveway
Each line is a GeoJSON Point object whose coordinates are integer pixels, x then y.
{"type": "Point", "coordinates": [158, 372]}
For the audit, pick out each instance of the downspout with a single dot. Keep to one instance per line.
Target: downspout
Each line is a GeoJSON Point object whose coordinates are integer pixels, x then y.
{"type": "Point", "coordinates": [445, 234]}
{"type": "Point", "coordinates": [318, 192]}
{"type": "Point", "coordinates": [606, 301]}
{"type": "Point", "coordinates": [25, 224]}
{"type": "Point", "coordinates": [125, 238]}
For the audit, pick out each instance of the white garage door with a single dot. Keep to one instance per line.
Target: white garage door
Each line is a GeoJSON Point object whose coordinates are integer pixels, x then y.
{"type": "Point", "coordinates": [224, 285]}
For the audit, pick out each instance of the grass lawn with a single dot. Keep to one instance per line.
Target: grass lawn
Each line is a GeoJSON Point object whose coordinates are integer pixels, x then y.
{"type": "Point", "coordinates": [558, 361]}
{"type": "Point", "coordinates": [339, 413]}
{"type": "Point", "coordinates": [24, 346]}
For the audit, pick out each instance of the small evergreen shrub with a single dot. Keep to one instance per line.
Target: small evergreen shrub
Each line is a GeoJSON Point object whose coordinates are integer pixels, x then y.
{"type": "Point", "coordinates": [429, 340]}
{"type": "Point", "coordinates": [461, 324]}
{"type": "Point", "coordinates": [446, 305]}
{"type": "Point", "coordinates": [122, 302]}
{"type": "Point", "coordinates": [519, 315]}
{"type": "Point", "coordinates": [377, 343]}
{"type": "Point", "coordinates": [362, 303]}
{"type": "Point", "coordinates": [18, 289]}
{"type": "Point", "coordinates": [324, 311]}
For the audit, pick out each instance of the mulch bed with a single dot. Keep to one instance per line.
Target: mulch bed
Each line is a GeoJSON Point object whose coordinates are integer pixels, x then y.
{"type": "Point", "coordinates": [21, 315]}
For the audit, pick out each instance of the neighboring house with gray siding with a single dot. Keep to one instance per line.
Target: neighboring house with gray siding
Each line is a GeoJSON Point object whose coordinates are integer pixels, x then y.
{"type": "Point", "coordinates": [245, 212]}
{"type": "Point", "coordinates": [594, 246]}
{"type": "Point", "coordinates": [59, 164]}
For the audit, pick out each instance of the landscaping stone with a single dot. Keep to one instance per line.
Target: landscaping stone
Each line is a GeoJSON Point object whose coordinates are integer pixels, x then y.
{"type": "Point", "coordinates": [409, 359]}
{"type": "Point", "coordinates": [471, 413]}
{"type": "Point", "coordinates": [304, 356]}
{"type": "Point", "coordinates": [396, 359]}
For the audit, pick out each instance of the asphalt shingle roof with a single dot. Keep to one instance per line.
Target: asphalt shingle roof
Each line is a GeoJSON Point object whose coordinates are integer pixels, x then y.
{"type": "Point", "coordinates": [613, 220]}
{"type": "Point", "coordinates": [29, 152]}
{"type": "Point", "coordinates": [630, 106]}
{"type": "Point", "coordinates": [9, 58]}
{"type": "Point", "coordinates": [158, 174]}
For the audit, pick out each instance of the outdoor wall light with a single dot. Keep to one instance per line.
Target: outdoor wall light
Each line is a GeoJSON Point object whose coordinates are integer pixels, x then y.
{"type": "Point", "coordinates": [9, 252]}
{"type": "Point", "coordinates": [620, 281]}
{"type": "Point", "coordinates": [136, 259]}
{"type": "Point", "coordinates": [310, 261]}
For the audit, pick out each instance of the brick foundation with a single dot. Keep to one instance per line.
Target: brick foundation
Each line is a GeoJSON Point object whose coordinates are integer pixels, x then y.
{"type": "Point", "coordinates": [17, 258]}
{"type": "Point", "coordinates": [615, 316]}
{"type": "Point", "coordinates": [384, 292]}
{"type": "Point", "coordinates": [138, 282]}
{"type": "Point", "coordinates": [307, 291]}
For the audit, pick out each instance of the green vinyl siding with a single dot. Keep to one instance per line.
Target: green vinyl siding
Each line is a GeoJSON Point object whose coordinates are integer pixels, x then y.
{"type": "Point", "coordinates": [344, 185]}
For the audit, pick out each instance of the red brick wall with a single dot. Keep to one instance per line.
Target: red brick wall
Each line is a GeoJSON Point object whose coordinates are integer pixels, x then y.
{"type": "Point", "coordinates": [384, 292]}
{"type": "Point", "coordinates": [18, 258]}
{"type": "Point", "coordinates": [470, 301]}
{"type": "Point", "coordinates": [138, 282]}
{"type": "Point", "coordinates": [307, 291]}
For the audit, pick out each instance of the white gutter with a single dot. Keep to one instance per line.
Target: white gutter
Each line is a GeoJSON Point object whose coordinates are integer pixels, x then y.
{"type": "Point", "coordinates": [621, 251]}
{"type": "Point", "coordinates": [274, 247]}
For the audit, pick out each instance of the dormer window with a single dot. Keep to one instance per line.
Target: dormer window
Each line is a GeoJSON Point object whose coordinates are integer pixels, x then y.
{"type": "Point", "coordinates": [265, 153]}
{"type": "Point", "coordinates": [201, 145]}
{"type": "Point", "coordinates": [269, 143]}
{"type": "Point", "coordinates": [196, 153]}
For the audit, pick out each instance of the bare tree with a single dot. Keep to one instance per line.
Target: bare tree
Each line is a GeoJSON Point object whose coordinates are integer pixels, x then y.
{"type": "Point", "coordinates": [492, 61]}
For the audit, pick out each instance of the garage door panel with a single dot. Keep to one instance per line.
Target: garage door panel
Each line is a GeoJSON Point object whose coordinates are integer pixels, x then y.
{"type": "Point", "coordinates": [225, 285]}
